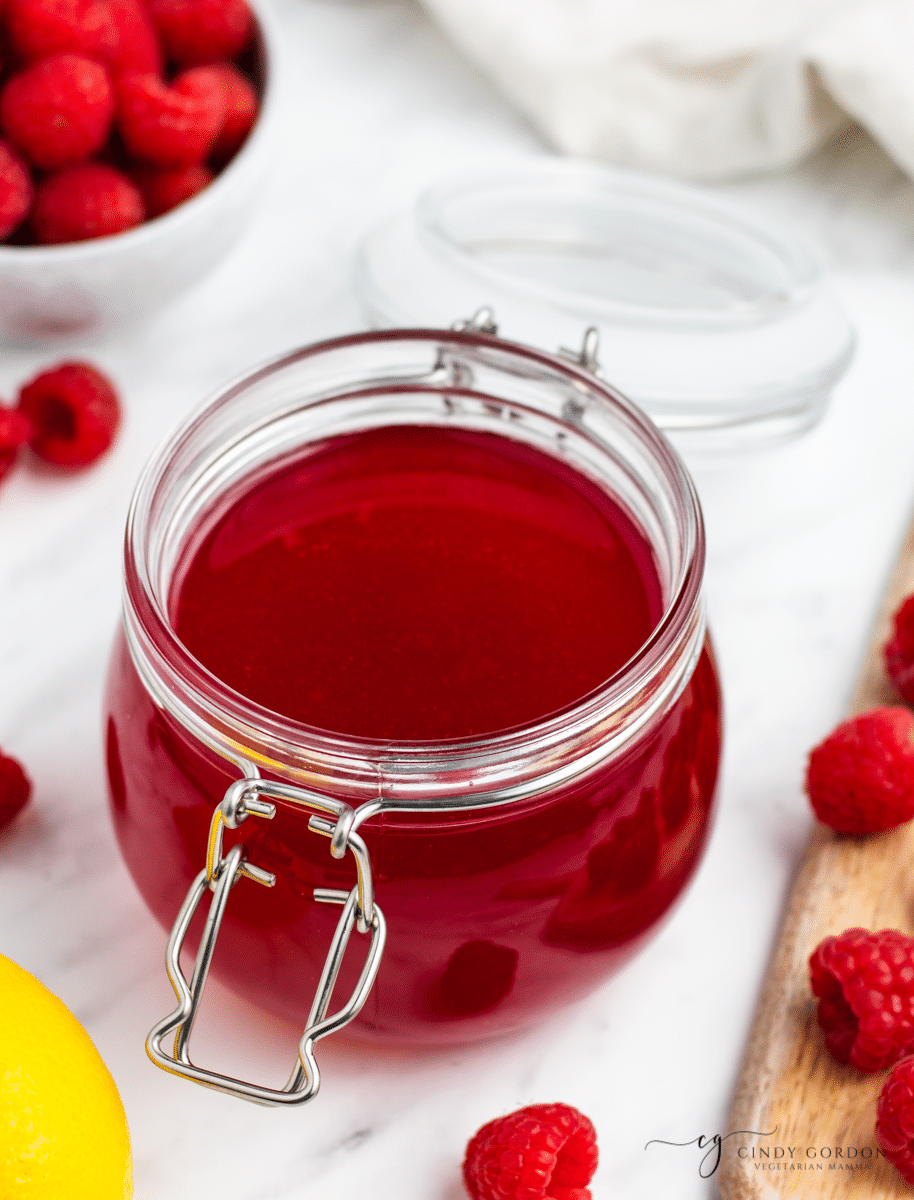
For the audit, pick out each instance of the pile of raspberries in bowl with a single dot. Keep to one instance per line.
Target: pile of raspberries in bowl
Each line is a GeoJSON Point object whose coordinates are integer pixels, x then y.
{"type": "Point", "coordinates": [120, 120]}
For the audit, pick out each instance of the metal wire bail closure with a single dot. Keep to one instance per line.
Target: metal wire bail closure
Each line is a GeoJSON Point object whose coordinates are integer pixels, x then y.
{"type": "Point", "coordinates": [220, 874]}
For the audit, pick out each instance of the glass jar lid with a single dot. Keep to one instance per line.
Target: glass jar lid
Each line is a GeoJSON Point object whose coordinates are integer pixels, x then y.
{"type": "Point", "coordinates": [718, 325]}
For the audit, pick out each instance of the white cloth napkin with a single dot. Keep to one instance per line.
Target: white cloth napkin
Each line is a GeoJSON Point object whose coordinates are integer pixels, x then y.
{"type": "Point", "coordinates": [699, 88]}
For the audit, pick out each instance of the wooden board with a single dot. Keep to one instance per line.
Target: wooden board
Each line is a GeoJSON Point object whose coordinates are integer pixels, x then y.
{"type": "Point", "coordinates": [789, 1082]}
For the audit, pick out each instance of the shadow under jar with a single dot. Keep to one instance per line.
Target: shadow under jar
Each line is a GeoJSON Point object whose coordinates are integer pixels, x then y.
{"type": "Point", "coordinates": [451, 585]}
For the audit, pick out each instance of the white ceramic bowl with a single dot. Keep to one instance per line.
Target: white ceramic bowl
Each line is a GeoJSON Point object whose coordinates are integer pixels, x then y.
{"type": "Point", "coordinates": [48, 292]}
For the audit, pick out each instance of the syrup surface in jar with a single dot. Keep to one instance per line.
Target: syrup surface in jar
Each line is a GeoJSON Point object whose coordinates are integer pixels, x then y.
{"type": "Point", "coordinates": [417, 584]}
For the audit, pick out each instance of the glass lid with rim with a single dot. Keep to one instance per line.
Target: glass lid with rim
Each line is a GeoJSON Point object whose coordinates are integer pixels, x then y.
{"type": "Point", "coordinates": [714, 322]}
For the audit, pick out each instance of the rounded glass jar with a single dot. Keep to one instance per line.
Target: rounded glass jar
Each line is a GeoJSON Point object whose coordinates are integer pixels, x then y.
{"type": "Point", "coordinates": [516, 870]}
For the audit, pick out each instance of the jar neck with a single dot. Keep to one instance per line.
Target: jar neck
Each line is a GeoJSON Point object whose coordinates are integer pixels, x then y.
{"type": "Point", "coordinates": [426, 377]}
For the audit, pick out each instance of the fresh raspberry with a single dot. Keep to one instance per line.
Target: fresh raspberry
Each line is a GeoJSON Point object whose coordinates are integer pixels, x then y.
{"type": "Point", "coordinates": [75, 412]}
{"type": "Point", "coordinates": [899, 651]}
{"type": "Point", "coordinates": [861, 778]}
{"type": "Point", "coordinates": [15, 789]}
{"type": "Point", "coordinates": [195, 32]}
{"type": "Point", "coordinates": [40, 28]}
{"type": "Point", "coordinates": [865, 985]}
{"type": "Point", "coordinates": [166, 188]}
{"type": "Point", "coordinates": [895, 1118]}
{"type": "Point", "coordinates": [16, 431]}
{"type": "Point", "coordinates": [88, 201]}
{"type": "Point", "coordinates": [542, 1152]}
{"type": "Point", "coordinates": [15, 190]}
{"type": "Point", "coordinates": [137, 47]}
{"type": "Point", "coordinates": [118, 33]}
{"type": "Point", "coordinates": [58, 112]}
{"type": "Point", "coordinates": [240, 109]}
{"type": "Point", "coordinates": [170, 126]}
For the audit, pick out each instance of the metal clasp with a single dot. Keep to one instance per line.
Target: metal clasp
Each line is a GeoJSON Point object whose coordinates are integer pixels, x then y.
{"type": "Point", "coordinates": [220, 874]}
{"type": "Point", "coordinates": [588, 356]}
{"type": "Point", "coordinates": [483, 321]}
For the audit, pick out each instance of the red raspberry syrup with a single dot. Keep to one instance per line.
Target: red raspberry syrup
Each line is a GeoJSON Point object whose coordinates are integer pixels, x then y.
{"type": "Point", "coordinates": [418, 584]}
{"type": "Point", "coordinates": [425, 584]}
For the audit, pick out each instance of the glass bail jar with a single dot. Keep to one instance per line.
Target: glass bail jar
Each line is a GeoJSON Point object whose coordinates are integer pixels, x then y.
{"type": "Point", "coordinates": [515, 869]}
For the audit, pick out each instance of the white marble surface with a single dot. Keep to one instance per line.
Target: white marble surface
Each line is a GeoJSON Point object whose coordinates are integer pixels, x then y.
{"type": "Point", "coordinates": [800, 544]}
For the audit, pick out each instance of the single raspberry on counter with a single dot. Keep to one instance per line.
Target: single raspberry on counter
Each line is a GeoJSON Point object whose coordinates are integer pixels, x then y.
{"type": "Point", "coordinates": [88, 201]}
{"type": "Point", "coordinates": [166, 188]}
{"type": "Point", "coordinates": [899, 651]}
{"type": "Point", "coordinates": [172, 126]}
{"type": "Point", "coordinates": [16, 431]}
{"type": "Point", "coordinates": [542, 1152]}
{"type": "Point", "coordinates": [860, 779]}
{"type": "Point", "coordinates": [240, 109]}
{"type": "Point", "coordinates": [75, 413]}
{"type": "Point", "coordinates": [15, 789]}
{"type": "Point", "coordinates": [195, 32]}
{"type": "Point", "coordinates": [895, 1118]}
{"type": "Point", "coordinates": [865, 985]}
{"type": "Point", "coordinates": [15, 190]}
{"type": "Point", "coordinates": [58, 111]}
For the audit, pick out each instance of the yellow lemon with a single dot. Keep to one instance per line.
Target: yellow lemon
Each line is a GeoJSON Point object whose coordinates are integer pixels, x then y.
{"type": "Point", "coordinates": [63, 1133]}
